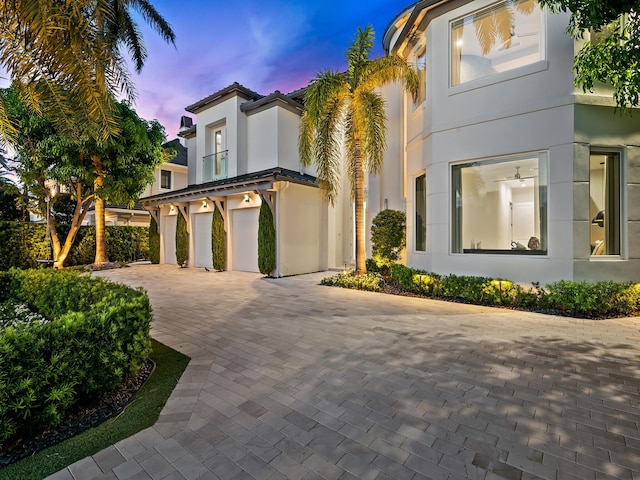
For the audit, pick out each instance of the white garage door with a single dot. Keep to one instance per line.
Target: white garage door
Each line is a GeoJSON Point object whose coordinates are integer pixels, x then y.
{"type": "Point", "coordinates": [168, 224]}
{"type": "Point", "coordinates": [202, 239]}
{"type": "Point", "coordinates": [244, 238]}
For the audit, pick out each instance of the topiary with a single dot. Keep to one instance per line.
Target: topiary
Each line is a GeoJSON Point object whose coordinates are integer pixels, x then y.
{"type": "Point", "coordinates": [154, 242]}
{"type": "Point", "coordinates": [388, 234]}
{"type": "Point", "coordinates": [182, 241]}
{"type": "Point", "coordinates": [218, 241]}
{"type": "Point", "coordinates": [266, 240]}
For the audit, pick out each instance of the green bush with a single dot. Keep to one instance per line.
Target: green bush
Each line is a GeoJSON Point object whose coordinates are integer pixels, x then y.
{"type": "Point", "coordinates": [266, 240]}
{"type": "Point", "coordinates": [369, 281]}
{"type": "Point", "coordinates": [380, 265]}
{"type": "Point", "coordinates": [599, 299]}
{"type": "Point", "coordinates": [23, 244]}
{"type": "Point", "coordinates": [388, 234]}
{"type": "Point", "coordinates": [182, 240]}
{"type": "Point", "coordinates": [218, 241]}
{"type": "Point", "coordinates": [95, 333]}
{"type": "Point", "coordinates": [154, 242]}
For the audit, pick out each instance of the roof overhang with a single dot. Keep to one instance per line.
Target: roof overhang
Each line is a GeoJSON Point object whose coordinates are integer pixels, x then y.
{"type": "Point", "coordinates": [263, 180]}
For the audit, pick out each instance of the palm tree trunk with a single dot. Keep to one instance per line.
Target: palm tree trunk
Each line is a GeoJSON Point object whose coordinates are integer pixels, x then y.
{"type": "Point", "coordinates": [361, 267]}
{"type": "Point", "coordinates": [101, 238]}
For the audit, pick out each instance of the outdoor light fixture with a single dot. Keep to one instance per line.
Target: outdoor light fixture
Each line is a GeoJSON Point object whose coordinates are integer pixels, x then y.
{"type": "Point", "coordinates": [204, 203]}
{"type": "Point", "coordinates": [246, 198]}
{"type": "Point", "coordinates": [172, 209]}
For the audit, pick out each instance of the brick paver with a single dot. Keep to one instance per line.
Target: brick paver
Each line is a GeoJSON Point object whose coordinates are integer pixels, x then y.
{"type": "Point", "coordinates": [289, 379]}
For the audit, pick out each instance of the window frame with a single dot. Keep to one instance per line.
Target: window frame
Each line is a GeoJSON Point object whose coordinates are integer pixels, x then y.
{"type": "Point", "coordinates": [539, 65]}
{"type": "Point", "coordinates": [165, 174]}
{"type": "Point", "coordinates": [420, 175]}
{"type": "Point", "coordinates": [456, 246]}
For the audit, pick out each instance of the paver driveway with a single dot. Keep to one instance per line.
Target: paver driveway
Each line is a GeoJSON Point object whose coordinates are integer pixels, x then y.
{"type": "Point", "coordinates": [289, 379]}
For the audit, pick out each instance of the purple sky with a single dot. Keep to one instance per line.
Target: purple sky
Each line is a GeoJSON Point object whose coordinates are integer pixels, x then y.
{"type": "Point", "coordinates": [265, 45]}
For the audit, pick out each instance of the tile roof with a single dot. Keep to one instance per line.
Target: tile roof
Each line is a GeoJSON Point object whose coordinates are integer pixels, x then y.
{"type": "Point", "coordinates": [235, 87]}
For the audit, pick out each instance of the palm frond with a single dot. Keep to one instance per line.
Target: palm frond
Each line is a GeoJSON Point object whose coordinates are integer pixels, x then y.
{"type": "Point", "coordinates": [132, 38]}
{"type": "Point", "coordinates": [155, 20]}
{"type": "Point", "coordinates": [370, 123]}
{"type": "Point", "coordinates": [326, 85]}
{"type": "Point", "coordinates": [385, 70]}
{"type": "Point", "coordinates": [358, 54]}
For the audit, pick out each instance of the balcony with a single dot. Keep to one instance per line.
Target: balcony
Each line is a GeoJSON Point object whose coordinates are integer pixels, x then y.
{"type": "Point", "coordinates": [214, 167]}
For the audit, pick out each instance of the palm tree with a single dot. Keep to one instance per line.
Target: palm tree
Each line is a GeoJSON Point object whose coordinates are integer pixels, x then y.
{"type": "Point", "coordinates": [349, 106]}
{"type": "Point", "coordinates": [120, 28]}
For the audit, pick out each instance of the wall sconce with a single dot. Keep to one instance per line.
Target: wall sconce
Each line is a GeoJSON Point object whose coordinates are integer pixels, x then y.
{"type": "Point", "coordinates": [172, 209]}
{"type": "Point", "coordinates": [246, 198]}
{"type": "Point", "coordinates": [204, 204]}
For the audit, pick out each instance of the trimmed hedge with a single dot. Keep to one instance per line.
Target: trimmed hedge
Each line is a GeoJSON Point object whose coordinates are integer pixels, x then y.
{"type": "Point", "coordinates": [369, 281]}
{"type": "Point", "coordinates": [23, 244]}
{"type": "Point", "coordinates": [154, 242]}
{"type": "Point", "coordinates": [266, 240]}
{"type": "Point", "coordinates": [218, 241]}
{"type": "Point", "coordinates": [182, 241]}
{"type": "Point", "coordinates": [577, 299]}
{"type": "Point", "coordinates": [95, 334]}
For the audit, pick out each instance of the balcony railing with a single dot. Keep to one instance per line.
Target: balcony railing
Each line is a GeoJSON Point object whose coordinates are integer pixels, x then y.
{"type": "Point", "coordinates": [214, 167]}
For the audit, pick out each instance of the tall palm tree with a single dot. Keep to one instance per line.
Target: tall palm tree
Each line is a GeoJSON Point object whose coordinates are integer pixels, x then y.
{"type": "Point", "coordinates": [348, 106]}
{"type": "Point", "coordinates": [121, 29]}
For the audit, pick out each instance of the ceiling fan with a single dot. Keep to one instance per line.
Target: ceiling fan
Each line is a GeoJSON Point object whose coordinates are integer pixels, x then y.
{"type": "Point", "coordinates": [517, 176]}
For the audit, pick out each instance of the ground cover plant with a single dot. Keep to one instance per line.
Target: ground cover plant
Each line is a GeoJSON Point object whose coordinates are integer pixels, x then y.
{"type": "Point", "coordinates": [577, 299]}
{"type": "Point", "coordinates": [140, 414]}
{"type": "Point", "coordinates": [72, 339]}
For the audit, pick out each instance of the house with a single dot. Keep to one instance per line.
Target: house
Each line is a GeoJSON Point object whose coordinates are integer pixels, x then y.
{"type": "Point", "coordinates": [243, 151]}
{"type": "Point", "coordinates": [503, 167]}
{"type": "Point", "coordinates": [172, 175]}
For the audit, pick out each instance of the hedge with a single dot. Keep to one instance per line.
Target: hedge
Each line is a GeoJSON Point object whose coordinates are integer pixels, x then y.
{"type": "Point", "coordinates": [266, 240]}
{"type": "Point", "coordinates": [218, 241]}
{"type": "Point", "coordinates": [154, 242]}
{"type": "Point", "coordinates": [578, 299]}
{"type": "Point", "coordinates": [182, 241]}
{"type": "Point", "coordinates": [95, 333]}
{"type": "Point", "coordinates": [23, 244]}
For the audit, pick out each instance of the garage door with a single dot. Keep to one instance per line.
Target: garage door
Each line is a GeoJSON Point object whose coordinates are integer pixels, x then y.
{"type": "Point", "coordinates": [168, 224]}
{"type": "Point", "coordinates": [202, 239]}
{"type": "Point", "coordinates": [244, 238]}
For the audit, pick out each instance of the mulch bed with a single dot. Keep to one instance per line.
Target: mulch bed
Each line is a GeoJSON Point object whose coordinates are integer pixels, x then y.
{"type": "Point", "coordinates": [83, 418]}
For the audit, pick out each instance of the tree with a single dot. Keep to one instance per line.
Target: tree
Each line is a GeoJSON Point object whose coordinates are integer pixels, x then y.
{"type": "Point", "coordinates": [612, 55]}
{"type": "Point", "coordinates": [348, 106]}
{"type": "Point", "coordinates": [124, 166]}
{"type": "Point", "coordinates": [266, 240]}
{"type": "Point", "coordinates": [218, 241]}
{"type": "Point", "coordinates": [388, 236]}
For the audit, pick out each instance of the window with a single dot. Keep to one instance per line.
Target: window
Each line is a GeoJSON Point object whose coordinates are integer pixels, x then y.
{"type": "Point", "coordinates": [421, 70]}
{"type": "Point", "coordinates": [604, 203]}
{"type": "Point", "coordinates": [500, 206]}
{"type": "Point", "coordinates": [496, 39]}
{"type": "Point", "coordinates": [421, 214]}
{"type": "Point", "coordinates": [165, 179]}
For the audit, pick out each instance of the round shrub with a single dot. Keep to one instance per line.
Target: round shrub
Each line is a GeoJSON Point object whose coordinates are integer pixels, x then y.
{"type": "Point", "coordinates": [92, 335]}
{"type": "Point", "coordinates": [388, 234]}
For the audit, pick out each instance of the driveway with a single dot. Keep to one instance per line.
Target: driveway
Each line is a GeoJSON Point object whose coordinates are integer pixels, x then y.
{"type": "Point", "coordinates": [289, 379]}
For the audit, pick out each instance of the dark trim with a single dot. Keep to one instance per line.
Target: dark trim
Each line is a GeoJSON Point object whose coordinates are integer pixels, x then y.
{"type": "Point", "coordinates": [234, 89]}
{"type": "Point", "coordinates": [504, 252]}
{"type": "Point", "coordinates": [276, 98]}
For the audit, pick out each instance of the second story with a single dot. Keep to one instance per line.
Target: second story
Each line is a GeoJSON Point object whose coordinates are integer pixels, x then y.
{"type": "Point", "coordinates": [171, 175]}
{"type": "Point", "coordinates": [238, 131]}
{"type": "Point", "coordinates": [481, 60]}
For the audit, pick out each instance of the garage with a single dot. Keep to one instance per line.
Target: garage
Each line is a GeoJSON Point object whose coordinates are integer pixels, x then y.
{"type": "Point", "coordinates": [168, 225]}
{"type": "Point", "coordinates": [202, 240]}
{"type": "Point", "coordinates": [244, 239]}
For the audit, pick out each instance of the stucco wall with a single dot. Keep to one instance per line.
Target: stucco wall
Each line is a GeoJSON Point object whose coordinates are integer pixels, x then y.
{"type": "Point", "coordinates": [301, 229]}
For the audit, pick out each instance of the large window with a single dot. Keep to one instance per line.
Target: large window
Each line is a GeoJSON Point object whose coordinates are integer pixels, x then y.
{"type": "Point", "coordinates": [421, 70]}
{"type": "Point", "coordinates": [500, 206]}
{"type": "Point", "coordinates": [421, 214]}
{"type": "Point", "coordinates": [604, 203]}
{"type": "Point", "coordinates": [502, 37]}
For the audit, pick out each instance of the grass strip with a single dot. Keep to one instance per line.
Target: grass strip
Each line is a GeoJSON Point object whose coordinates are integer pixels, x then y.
{"type": "Point", "coordinates": [140, 414]}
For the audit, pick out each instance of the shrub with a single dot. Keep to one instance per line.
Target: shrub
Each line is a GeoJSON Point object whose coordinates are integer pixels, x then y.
{"type": "Point", "coordinates": [388, 234]}
{"type": "Point", "coordinates": [154, 242]}
{"type": "Point", "coordinates": [266, 240]}
{"type": "Point", "coordinates": [182, 240]}
{"type": "Point", "coordinates": [218, 241]}
{"type": "Point", "coordinates": [96, 333]}
{"type": "Point", "coordinates": [380, 265]}
{"type": "Point", "coordinates": [369, 281]}
{"type": "Point", "coordinates": [24, 243]}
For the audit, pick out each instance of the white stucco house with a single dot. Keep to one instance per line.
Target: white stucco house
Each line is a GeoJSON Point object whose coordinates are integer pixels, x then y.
{"type": "Point", "coordinates": [242, 151]}
{"type": "Point", "coordinates": [503, 167]}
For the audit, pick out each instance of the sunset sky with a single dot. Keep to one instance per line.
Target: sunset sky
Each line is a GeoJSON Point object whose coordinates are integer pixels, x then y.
{"type": "Point", "coordinates": [264, 45]}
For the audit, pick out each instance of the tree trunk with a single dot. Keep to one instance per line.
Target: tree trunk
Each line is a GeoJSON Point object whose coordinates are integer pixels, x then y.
{"type": "Point", "coordinates": [82, 207]}
{"type": "Point", "coordinates": [101, 238]}
{"type": "Point", "coordinates": [361, 266]}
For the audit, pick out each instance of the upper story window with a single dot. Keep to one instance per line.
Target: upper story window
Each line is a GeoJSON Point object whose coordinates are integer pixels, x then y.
{"type": "Point", "coordinates": [502, 37]}
{"type": "Point", "coordinates": [421, 70]}
{"type": "Point", "coordinates": [165, 179]}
